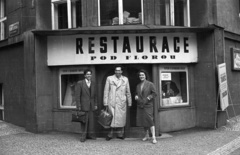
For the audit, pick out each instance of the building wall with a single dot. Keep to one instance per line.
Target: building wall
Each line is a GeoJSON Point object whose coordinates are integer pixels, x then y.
{"type": "Point", "coordinates": [228, 15]}
{"type": "Point", "coordinates": [12, 78]}
{"type": "Point", "coordinates": [201, 12]}
{"type": "Point", "coordinates": [233, 78]}
{"type": "Point", "coordinates": [205, 82]}
{"type": "Point", "coordinates": [44, 87]}
{"type": "Point", "coordinates": [43, 14]}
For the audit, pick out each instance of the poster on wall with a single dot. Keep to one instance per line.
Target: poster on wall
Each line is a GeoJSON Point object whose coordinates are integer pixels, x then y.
{"type": "Point", "coordinates": [223, 87]}
{"type": "Point", "coordinates": [235, 59]}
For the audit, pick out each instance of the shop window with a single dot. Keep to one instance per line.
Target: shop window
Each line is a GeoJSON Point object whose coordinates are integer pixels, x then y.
{"type": "Point", "coordinates": [3, 19]}
{"type": "Point", "coordinates": [66, 14]}
{"type": "Point", "coordinates": [68, 79]}
{"type": "Point", "coordinates": [120, 12]}
{"type": "Point", "coordinates": [174, 86]}
{"type": "Point", "coordinates": [174, 13]}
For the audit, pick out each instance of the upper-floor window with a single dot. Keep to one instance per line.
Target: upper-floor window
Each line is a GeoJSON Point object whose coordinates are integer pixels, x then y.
{"type": "Point", "coordinates": [3, 19]}
{"type": "Point", "coordinates": [120, 12]}
{"type": "Point", "coordinates": [174, 13]}
{"type": "Point", "coordinates": [66, 14]}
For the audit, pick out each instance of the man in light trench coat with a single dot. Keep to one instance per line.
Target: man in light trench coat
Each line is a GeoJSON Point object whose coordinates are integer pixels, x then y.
{"type": "Point", "coordinates": [116, 96]}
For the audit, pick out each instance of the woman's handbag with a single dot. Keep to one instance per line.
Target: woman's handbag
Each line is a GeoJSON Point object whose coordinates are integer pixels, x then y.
{"type": "Point", "coordinates": [78, 116]}
{"type": "Point", "coordinates": [105, 118]}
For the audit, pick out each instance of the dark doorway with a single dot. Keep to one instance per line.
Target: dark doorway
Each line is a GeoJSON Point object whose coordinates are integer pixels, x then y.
{"type": "Point", "coordinates": [130, 71]}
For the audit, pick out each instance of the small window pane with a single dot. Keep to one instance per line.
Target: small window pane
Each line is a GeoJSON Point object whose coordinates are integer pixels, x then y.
{"type": "Point", "coordinates": [109, 12]}
{"type": "Point", "coordinates": [132, 13]}
{"type": "Point", "coordinates": [165, 12]}
{"type": "Point", "coordinates": [77, 14]}
{"type": "Point", "coordinates": [174, 88]}
{"type": "Point", "coordinates": [68, 82]}
{"type": "Point", "coordinates": [62, 16]}
{"type": "Point", "coordinates": [179, 8]}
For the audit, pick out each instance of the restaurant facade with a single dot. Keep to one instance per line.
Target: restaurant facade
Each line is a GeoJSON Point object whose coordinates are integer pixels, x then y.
{"type": "Point", "coordinates": [179, 43]}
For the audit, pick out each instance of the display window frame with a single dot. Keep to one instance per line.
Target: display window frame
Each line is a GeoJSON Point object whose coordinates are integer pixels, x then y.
{"type": "Point", "coordinates": [173, 69]}
{"type": "Point", "coordinates": [68, 71]}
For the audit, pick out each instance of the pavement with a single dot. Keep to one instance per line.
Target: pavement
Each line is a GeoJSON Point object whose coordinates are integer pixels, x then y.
{"type": "Point", "coordinates": [15, 140]}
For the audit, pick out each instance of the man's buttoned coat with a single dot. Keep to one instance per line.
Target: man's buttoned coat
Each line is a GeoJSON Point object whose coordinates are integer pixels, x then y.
{"type": "Point", "coordinates": [116, 96]}
{"type": "Point", "coordinates": [86, 97]}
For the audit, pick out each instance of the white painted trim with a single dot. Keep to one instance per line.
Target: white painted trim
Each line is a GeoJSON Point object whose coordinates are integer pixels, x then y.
{"type": "Point", "coordinates": [142, 12]}
{"type": "Point", "coordinates": [53, 16]}
{"type": "Point", "coordinates": [188, 14]}
{"type": "Point", "coordinates": [69, 11]}
{"type": "Point", "coordinates": [172, 16]}
{"type": "Point", "coordinates": [120, 11]}
{"type": "Point", "coordinates": [99, 14]}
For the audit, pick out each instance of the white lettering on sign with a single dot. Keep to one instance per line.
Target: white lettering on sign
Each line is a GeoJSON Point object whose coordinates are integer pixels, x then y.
{"type": "Point", "coordinates": [122, 48]}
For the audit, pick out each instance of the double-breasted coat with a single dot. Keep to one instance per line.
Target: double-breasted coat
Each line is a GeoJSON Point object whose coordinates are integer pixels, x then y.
{"type": "Point", "coordinates": [117, 96]}
{"type": "Point", "coordinates": [145, 104]}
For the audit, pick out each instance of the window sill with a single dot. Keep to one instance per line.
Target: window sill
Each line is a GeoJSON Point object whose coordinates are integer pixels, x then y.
{"type": "Point", "coordinates": [4, 42]}
{"type": "Point", "coordinates": [63, 109]}
{"type": "Point", "coordinates": [175, 107]}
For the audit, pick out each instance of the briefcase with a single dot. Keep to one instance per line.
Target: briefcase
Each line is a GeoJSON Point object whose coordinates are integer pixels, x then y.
{"type": "Point", "coordinates": [105, 118]}
{"type": "Point", "coordinates": [78, 116]}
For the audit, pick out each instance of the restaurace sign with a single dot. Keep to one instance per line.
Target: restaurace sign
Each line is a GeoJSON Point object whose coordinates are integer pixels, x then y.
{"type": "Point", "coordinates": [122, 48]}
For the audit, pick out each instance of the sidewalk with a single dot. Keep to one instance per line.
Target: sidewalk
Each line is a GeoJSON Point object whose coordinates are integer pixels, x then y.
{"type": "Point", "coordinates": [16, 141]}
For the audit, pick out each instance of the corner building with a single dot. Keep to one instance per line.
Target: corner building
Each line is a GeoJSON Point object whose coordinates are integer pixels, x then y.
{"type": "Point", "coordinates": [46, 45]}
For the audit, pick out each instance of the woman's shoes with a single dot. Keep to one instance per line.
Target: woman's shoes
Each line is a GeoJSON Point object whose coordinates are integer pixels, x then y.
{"type": "Point", "coordinates": [154, 141]}
{"type": "Point", "coordinates": [145, 138]}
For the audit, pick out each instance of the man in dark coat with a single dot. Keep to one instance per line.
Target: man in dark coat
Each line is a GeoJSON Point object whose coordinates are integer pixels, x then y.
{"type": "Point", "coordinates": [86, 100]}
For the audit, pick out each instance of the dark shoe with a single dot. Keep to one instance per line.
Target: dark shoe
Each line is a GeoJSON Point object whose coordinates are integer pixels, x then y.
{"type": "Point", "coordinates": [91, 137]}
{"type": "Point", "coordinates": [121, 137]}
{"type": "Point", "coordinates": [108, 138]}
{"type": "Point", "coordinates": [82, 139]}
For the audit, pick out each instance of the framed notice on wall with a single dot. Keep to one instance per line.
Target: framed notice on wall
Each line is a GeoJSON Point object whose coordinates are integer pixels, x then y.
{"type": "Point", "coordinates": [223, 87]}
{"type": "Point", "coordinates": [235, 59]}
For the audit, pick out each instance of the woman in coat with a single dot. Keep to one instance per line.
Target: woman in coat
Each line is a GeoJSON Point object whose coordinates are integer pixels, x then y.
{"type": "Point", "coordinates": [145, 93]}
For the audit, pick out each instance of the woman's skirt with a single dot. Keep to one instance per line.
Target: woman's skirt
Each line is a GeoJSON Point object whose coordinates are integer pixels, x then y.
{"type": "Point", "coordinates": [145, 117]}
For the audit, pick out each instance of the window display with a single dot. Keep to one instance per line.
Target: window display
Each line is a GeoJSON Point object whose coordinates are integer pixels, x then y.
{"type": "Point", "coordinates": [174, 86]}
{"type": "Point", "coordinates": [119, 12]}
{"type": "Point", "coordinates": [68, 80]}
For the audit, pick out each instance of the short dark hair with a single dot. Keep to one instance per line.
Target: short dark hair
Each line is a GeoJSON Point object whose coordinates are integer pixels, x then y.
{"type": "Point", "coordinates": [143, 71]}
{"type": "Point", "coordinates": [87, 70]}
